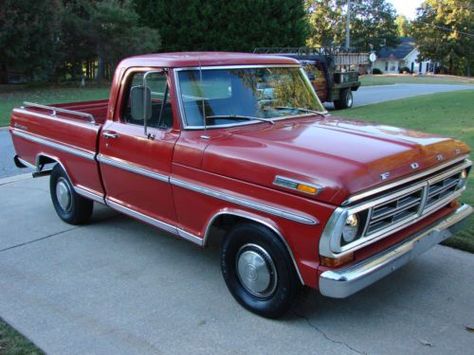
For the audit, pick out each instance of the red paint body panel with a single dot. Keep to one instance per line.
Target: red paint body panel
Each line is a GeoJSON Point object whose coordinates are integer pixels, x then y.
{"type": "Point", "coordinates": [345, 157]}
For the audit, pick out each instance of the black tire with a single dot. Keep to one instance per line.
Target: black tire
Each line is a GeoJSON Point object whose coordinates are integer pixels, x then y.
{"type": "Point", "coordinates": [257, 241]}
{"type": "Point", "coordinates": [345, 101]}
{"type": "Point", "coordinates": [71, 208]}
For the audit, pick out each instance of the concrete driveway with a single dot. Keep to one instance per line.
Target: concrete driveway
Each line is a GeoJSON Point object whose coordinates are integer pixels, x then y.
{"type": "Point", "coordinates": [117, 286]}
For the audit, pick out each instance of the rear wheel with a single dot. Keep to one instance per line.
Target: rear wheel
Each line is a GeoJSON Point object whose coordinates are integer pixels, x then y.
{"type": "Point", "coordinates": [258, 270]}
{"type": "Point", "coordinates": [70, 206]}
{"type": "Point", "coordinates": [345, 101]}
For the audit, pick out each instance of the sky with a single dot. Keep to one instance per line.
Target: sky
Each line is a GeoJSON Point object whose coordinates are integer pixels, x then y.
{"type": "Point", "coordinates": [406, 7]}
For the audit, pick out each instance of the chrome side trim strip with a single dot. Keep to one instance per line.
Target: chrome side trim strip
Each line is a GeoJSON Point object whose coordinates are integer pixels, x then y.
{"type": "Point", "coordinates": [95, 196]}
{"type": "Point", "coordinates": [150, 220]}
{"type": "Point", "coordinates": [363, 195]}
{"type": "Point", "coordinates": [300, 218]}
{"type": "Point", "coordinates": [36, 139]}
{"type": "Point", "coordinates": [257, 220]}
{"type": "Point", "coordinates": [133, 168]}
{"type": "Point", "coordinates": [341, 283]}
{"type": "Point", "coordinates": [155, 222]}
{"type": "Point", "coordinates": [190, 237]}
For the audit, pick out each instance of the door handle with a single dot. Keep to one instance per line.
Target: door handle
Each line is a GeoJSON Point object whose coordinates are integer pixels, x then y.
{"type": "Point", "coordinates": [109, 135]}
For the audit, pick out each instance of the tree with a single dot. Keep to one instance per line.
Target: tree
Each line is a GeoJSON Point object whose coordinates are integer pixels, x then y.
{"type": "Point", "coordinates": [403, 26]}
{"type": "Point", "coordinates": [372, 23]}
{"type": "Point", "coordinates": [28, 37]}
{"type": "Point", "coordinates": [238, 25]}
{"type": "Point", "coordinates": [444, 33]}
{"type": "Point", "coordinates": [116, 33]}
{"type": "Point", "coordinates": [326, 23]}
{"type": "Point", "coordinates": [77, 47]}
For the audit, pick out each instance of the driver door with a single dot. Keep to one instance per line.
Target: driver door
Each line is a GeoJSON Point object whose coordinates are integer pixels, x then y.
{"type": "Point", "coordinates": [136, 153]}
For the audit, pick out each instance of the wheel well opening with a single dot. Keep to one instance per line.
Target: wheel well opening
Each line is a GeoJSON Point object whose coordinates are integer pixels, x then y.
{"type": "Point", "coordinates": [42, 161]}
{"type": "Point", "coordinates": [221, 225]}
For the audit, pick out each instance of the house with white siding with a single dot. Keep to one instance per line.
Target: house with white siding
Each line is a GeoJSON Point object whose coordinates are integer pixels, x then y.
{"type": "Point", "coordinates": [391, 59]}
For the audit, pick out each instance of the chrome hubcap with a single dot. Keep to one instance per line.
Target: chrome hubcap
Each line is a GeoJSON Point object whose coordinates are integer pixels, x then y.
{"type": "Point", "coordinates": [349, 100]}
{"type": "Point", "coordinates": [256, 270]}
{"type": "Point", "coordinates": [63, 194]}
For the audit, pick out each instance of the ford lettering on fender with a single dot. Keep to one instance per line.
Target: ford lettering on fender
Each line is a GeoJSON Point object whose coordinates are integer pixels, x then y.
{"type": "Point", "coordinates": [197, 142]}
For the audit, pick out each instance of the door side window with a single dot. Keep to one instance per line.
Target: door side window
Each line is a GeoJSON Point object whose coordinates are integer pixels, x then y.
{"type": "Point", "coordinates": [162, 115]}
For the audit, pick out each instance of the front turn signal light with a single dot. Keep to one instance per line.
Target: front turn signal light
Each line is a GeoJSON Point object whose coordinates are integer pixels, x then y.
{"type": "Point", "coordinates": [335, 262]}
{"type": "Point", "coordinates": [307, 189]}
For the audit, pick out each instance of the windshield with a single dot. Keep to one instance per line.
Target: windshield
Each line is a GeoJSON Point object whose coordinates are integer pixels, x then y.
{"type": "Point", "coordinates": [235, 95]}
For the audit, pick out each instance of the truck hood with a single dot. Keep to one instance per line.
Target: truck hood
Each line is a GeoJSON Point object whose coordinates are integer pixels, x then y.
{"type": "Point", "coordinates": [342, 156]}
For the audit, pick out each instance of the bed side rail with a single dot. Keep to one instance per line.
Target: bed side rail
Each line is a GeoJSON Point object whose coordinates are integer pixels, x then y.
{"type": "Point", "coordinates": [54, 110]}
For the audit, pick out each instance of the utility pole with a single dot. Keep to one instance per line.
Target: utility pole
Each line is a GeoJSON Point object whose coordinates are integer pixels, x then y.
{"type": "Point", "coordinates": [348, 24]}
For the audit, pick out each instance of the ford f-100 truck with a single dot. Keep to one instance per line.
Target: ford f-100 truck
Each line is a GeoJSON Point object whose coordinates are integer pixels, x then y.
{"type": "Point", "coordinates": [195, 143]}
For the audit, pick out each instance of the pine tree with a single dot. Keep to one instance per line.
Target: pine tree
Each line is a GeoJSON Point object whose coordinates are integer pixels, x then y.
{"type": "Point", "coordinates": [28, 37]}
{"type": "Point", "coordinates": [236, 25]}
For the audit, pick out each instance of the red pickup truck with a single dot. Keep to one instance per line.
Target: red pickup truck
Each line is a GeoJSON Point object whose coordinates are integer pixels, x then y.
{"type": "Point", "coordinates": [195, 143]}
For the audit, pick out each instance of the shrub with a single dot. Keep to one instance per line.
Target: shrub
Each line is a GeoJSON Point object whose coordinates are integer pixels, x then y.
{"type": "Point", "coordinates": [377, 71]}
{"type": "Point", "coordinates": [405, 70]}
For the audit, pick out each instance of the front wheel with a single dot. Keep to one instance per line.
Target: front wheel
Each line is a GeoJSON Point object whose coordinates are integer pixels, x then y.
{"type": "Point", "coordinates": [69, 205]}
{"type": "Point", "coordinates": [345, 101]}
{"type": "Point", "coordinates": [258, 270]}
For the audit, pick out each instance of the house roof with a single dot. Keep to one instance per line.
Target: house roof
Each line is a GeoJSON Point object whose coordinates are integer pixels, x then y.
{"type": "Point", "coordinates": [407, 44]}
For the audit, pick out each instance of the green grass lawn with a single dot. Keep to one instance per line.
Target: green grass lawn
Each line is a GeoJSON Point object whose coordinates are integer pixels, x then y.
{"type": "Point", "coordinates": [369, 80]}
{"type": "Point", "coordinates": [449, 114]}
{"type": "Point", "coordinates": [11, 97]}
{"type": "Point", "coordinates": [13, 343]}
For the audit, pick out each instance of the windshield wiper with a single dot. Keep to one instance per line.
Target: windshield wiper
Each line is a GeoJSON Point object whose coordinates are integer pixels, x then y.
{"type": "Point", "coordinates": [241, 117]}
{"type": "Point", "coordinates": [307, 110]}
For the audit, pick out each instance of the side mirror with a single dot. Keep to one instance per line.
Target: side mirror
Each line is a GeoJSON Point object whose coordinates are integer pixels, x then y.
{"type": "Point", "coordinates": [140, 102]}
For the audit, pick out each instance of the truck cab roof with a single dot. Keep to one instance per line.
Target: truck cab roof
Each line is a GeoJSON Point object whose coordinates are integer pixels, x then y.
{"type": "Point", "coordinates": [196, 59]}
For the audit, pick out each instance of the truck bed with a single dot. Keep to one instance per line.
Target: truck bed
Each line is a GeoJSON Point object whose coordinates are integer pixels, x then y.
{"type": "Point", "coordinates": [66, 132]}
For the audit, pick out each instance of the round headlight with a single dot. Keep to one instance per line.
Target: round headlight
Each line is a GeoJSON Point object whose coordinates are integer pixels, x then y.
{"type": "Point", "coordinates": [462, 179]}
{"type": "Point", "coordinates": [349, 232]}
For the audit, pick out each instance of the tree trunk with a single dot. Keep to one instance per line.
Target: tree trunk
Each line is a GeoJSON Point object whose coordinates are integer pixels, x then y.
{"type": "Point", "coordinates": [451, 64]}
{"type": "Point", "coordinates": [3, 74]}
{"type": "Point", "coordinates": [100, 68]}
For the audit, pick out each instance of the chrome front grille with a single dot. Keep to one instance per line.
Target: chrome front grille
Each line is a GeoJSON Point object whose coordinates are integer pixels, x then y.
{"type": "Point", "coordinates": [439, 190]}
{"type": "Point", "coordinates": [389, 208]}
{"type": "Point", "coordinates": [395, 211]}
{"type": "Point", "coordinates": [416, 201]}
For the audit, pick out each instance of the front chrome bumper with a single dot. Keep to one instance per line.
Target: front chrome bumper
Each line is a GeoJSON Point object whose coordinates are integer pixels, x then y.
{"type": "Point", "coordinates": [346, 281]}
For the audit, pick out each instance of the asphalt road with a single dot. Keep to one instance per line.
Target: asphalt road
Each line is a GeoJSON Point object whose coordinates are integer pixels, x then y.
{"type": "Point", "coordinates": [367, 95]}
{"type": "Point", "coordinates": [117, 286]}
